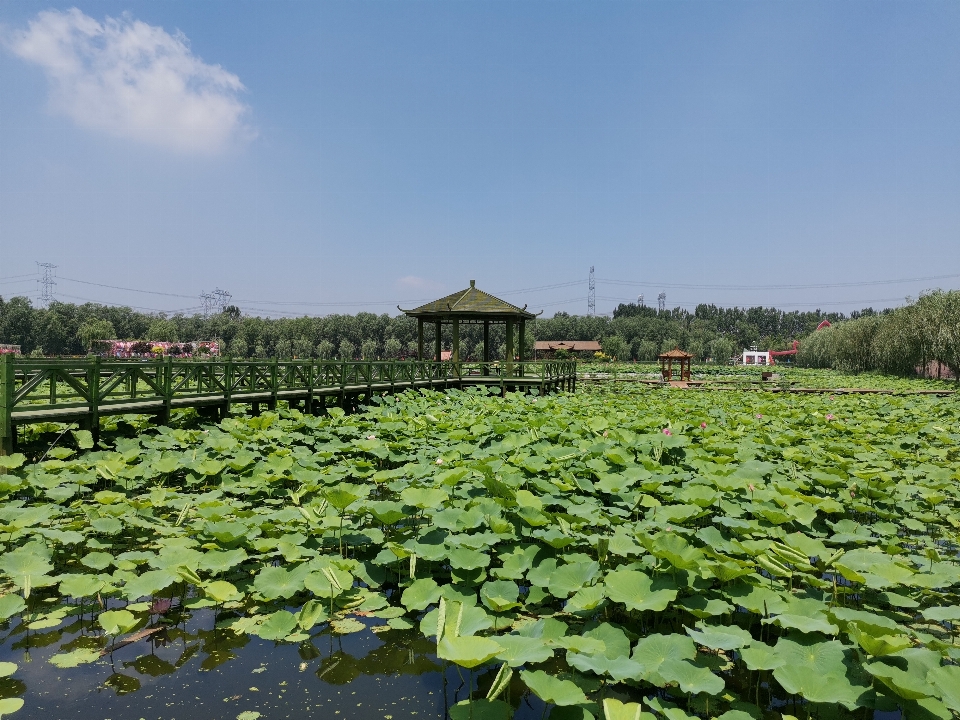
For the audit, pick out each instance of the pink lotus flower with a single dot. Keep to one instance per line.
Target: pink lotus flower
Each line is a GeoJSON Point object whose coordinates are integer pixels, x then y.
{"type": "Point", "coordinates": [703, 425]}
{"type": "Point", "coordinates": [606, 433]}
{"type": "Point", "coordinates": [439, 461]}
{"type": "Point", "coordinates": [371, 437]}
{"type": "Point", "coordinates": [829, 416]}
{"type": "Point", "coordinates": [759, 416]}
{"type": "Point", "coordinates": [666, 431]}
{"type": "Point", "coordinates": [750, 487]}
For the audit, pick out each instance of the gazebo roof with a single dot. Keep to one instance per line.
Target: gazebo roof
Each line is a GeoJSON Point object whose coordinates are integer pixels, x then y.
{"type": "Point", "coordinates": [676, 353]}
{"type": "Point", "coordinates": [470, 304]}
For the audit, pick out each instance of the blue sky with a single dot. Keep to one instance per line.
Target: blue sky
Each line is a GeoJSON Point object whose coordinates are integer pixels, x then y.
{"type": "Point", "coordinates": [332, 157]}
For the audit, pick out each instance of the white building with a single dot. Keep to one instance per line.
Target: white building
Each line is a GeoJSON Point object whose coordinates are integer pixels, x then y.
{"type": "Point", "coordinates": [756, 357]}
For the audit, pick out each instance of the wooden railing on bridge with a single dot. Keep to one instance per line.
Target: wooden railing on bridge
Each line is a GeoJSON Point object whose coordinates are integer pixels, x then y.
{"type": "Point", "coordinates": [63, 390]}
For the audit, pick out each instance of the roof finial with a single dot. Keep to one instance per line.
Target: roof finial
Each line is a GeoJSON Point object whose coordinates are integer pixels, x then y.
{"type": "Point", "coordinates": [473, 283]}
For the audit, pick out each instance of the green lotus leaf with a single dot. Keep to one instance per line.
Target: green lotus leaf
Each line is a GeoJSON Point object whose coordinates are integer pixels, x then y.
{"type": "Point", "coordinates": [653, 650]}
{"type": "Point", "coordinates": [877, 645]}
{"type": "Point", "coordinates": [83, 438]}
{"type": "Point", "coordinates": [420, 594]}
{"type": "Point", "coordinates": [465, 559]}
{"type": "Point", "coordinates": [702, 607]}
{"type": "Point", "coordinates": [107, 525]}
{"type": "Point", "coordinates": [149, 583]}
{"type": "Point", "coordinates": [7, 669]}
{"type": "Point", "coordinates": [328, 582]}
{"type": "Point", "coordinates": [587, 599]}
{"type": "Point", "coordinates": [347, 626]}
{"type": "Point", "coordinates": [635, 590]}
{"type": "Point", "coordinates": [386, 511]}
{"type": "Point", "coordinates": [942, 614]}
{"type": "Point", "coordinates": [546, 628]}
{"type": "Point", "coordinates": [117, 622]}
{"type": "Point", "coordinates": [10, 605]}
{"type": "Point", "coordinates": [804, 623]}
{"type": "Point", "coordinates": [219, 561]}
{"type": "Point", "coordinates": [500, 595]}
{"type": "Point", "coordinates": [75, 658]}
{"type": "Point", "coordinates": [12, 462]}
{"type": "Point", "coordinates": [728, 637]}
{"type": "Point", "coordinates": [553, 690]}
{"type": "Point", "coordinates": [468, 652]}
{"type": "Point", "coordinates": [517, 650]}
{"type": "Point", "coordinates": [618, 668]}
{"type": "Point", "coordinates": [946, 682]}
{"type": "Point", "coordinates": [614, 709]}
{"type": "Point", "coordinates": [312, 612]}
{"type": "Point", "coordinates": [343, 495]}
{"type": "Point", "coordinates": [817, 671]}
{"type": "Point", "coordinates": [690, 678]}
{"type": "Point", "coordinates": [227, 532]}
{"type": "Point", "coordinates": [8, 706]}
{"type": "Point", "coordinates": [569, 578]}
{"type": "Point", "coordinates": [276, 582]}
{"type": "Point", "coordinates": [481, 709]}
{"type": "Point", "coordinates": [221, 591]}
{"type": "Point", "coordinates": [759, 656]}
{"type": "Point", "coordinates": [909, 684]}
{"type": "Point", "coordinates": [424, 497]}
{"type": "Point", "coordinates": [277, 626]}
{"type": "Point", "coordinates": [98, 560]}
{"type": "Point", "coordinates": [25, 568]}
{"type": "Point", "coordinates": [541, 573]}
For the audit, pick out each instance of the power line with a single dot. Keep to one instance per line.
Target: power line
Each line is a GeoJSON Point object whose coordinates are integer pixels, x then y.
{"type": "Point", "coordinates": [814, 286]}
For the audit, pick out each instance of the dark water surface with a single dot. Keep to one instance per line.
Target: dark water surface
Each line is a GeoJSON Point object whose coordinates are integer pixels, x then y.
{"type": "Point", "coordinates": [192, 671]}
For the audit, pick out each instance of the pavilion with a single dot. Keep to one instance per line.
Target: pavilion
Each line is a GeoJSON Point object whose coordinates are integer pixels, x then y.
{"type": "Point", "coordinates": [682, 359]}
{"type": "Point", "coordinates": [472, 306]}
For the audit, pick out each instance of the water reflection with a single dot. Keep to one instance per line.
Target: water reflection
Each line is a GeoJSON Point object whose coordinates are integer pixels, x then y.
{"type": "Point", "coordinates": [188, 669]}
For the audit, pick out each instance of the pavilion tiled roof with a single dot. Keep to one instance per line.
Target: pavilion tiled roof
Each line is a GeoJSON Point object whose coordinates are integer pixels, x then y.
{"type": "Point", "coordinates": [470, 302]}
{"type": "Point", "coordinates": [676, 353]}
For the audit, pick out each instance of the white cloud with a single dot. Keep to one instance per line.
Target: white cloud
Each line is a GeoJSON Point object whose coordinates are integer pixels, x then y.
{"type": "Point", "coordinates": [133, 80]}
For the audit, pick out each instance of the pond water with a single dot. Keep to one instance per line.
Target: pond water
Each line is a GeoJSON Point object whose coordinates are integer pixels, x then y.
{"type": "Point", "coordinates": [192, 671]}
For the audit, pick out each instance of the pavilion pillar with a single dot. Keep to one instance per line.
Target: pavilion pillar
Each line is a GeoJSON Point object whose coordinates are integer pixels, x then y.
{"type": "Point", "coordinates": [486, 346]}
{"type": "Point", "coordinates": [520, 340]}
{"type": "Point", "coordinates": [436, 341]}
{"type": "Point", "coordinates": [455, 355]}
{"type": "Point", "coordinates": [508, 360]}
{"type": "Point", "coordinates": [420, 339]}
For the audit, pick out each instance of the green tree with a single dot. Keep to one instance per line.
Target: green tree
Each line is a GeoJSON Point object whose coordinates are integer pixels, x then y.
{"type": "Point", "coordinates": [162, 330]}
{"type": "Point", "coordinates": [646, 350]}
{"type": "Point", "coordinates": [392, 348]}
{"type": "Point", "coordinates": [94, 329]}
{"type": "Point", "coordinates": [238, 347]}
{"type": "Point", "coordinates": [324, 349]}
{"type": "Point", "coordinates": [722, 349]}
{"type": "Point", "coordinates": [616, 347]}
{"type": "Point", "coordinates": [346, 349]}
{"type": "Point", "coordinates": [368, 349]}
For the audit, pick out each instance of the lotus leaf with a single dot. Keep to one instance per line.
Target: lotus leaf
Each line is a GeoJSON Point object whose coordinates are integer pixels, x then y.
{"type": "Point", "coordinates": [500, 595]}
{"type": "Point", "coordinates": [614, 709]}
{"type": "Point", "coordinates": [690, 678]}
{"type": "Point", "coordinates": [277, 626]}
{"type": "Point", "coordinates": [481, 709]}
{"type": "Point", "coordinates": [728, 637]}
{"type": "Point", "coordinates": [818, 671]}
{"type": "Point", "coordinates": [517, 650]}
{"type": "Point", "coordinates": [117, 622]}
{"type": "Point", "coordinates": [635, 590]}
{"type": "Point", "coordinates": [420, 594]}
{"type": "Point", "coordinates": [553, 690]}
{"type": "Point", "coordinates": [569, 578]}
{"type": "Point", "coordinates": [468, 652]}
{"type": "Point", "coordinates": [75, 658]}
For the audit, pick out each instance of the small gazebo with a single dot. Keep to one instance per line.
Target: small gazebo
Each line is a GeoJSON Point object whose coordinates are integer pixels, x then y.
{"type": "Point", "coordinates": [471, 306]}
{"type": "Point", "coordinates": [681, 358]}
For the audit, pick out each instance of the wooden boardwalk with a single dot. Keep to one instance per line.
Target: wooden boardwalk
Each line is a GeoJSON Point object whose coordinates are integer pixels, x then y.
{"type": "Point", "coordinates": [64, 390]}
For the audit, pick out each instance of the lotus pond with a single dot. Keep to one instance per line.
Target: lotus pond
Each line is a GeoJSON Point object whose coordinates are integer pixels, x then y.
{"type": "Point", "coordinates": [623, 553]}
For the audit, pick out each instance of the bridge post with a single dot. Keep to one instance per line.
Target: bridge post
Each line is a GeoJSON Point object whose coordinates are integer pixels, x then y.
{"type": "Point", "coordinates": [272, 402]}
{"type": "Point", "coordinates": [227, 385]}
{"type": "Point", "coordinates": [93, 387]}
{"type": "Point", "coordinates": [167, 388]}
{"type": "Point", "coordinates": [7, 429]}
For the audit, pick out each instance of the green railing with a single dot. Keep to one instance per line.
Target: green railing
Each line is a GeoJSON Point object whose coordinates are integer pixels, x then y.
{"type": "Point", "coordinates": [35, 390]}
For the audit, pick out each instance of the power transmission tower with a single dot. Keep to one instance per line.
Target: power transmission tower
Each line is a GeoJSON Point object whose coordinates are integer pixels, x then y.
{"type": "Point", "coordinates": [592, 295]}
{"type": "Point", "coordinates": [215, 302]}
{"type": "Point", "coordinates": [640, 300]}
{"type": "Point", "coordinates": [47, 283]}
{"type": "Point", "coordinates": [661, 302]}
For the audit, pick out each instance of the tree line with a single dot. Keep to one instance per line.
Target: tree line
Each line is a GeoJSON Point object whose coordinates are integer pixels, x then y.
{"type": "Point", "coordinates": [898, 342]}
{"type": "Point", "coordinates": [893, 341]}
{"type": "Point", "coordinates": [633, 333]}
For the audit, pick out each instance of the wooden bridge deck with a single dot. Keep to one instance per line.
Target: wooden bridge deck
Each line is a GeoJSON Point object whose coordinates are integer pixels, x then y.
{"type": "Point", "coordinates": [37, 391]}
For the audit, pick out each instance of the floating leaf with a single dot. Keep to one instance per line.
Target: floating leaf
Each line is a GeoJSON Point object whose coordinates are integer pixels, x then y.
{"type": "Point", "coordinates": [553, 690]}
